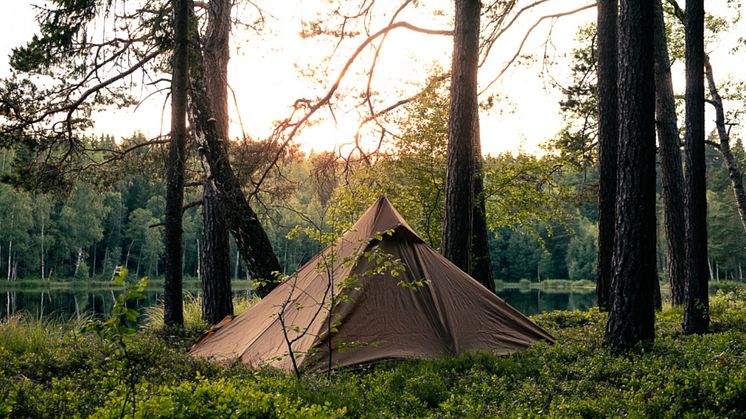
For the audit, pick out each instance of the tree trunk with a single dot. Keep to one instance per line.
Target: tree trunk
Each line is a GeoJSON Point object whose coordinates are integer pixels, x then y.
{"type": "Point", "coordinates": [42, 249]}
{"type": "Point", "coordinates": [736, 178]}
{"type": "Point", "coordinates": [672, 175]}
{"type": "Point", "coordinates": [199, 260]}
{"type": "Point", "coordinates": [696, 316]}
{"type": "Point", "coordinates": [481, 264]}
{"type": "Point", "coordinates": [137, 269]}
{"type": "Point", "coordinates": [607, 145]}
{"type": "Point", "coordinates": [127, 258]}
{"type": "Point", "coordinates": [78, 261]}
{"type": "Point", "coordinates": [216, 282]}
{"type": "Point", "coordinates": [93, 262]}
{"type": "Point", "coordinates": [173, 310]}
{"type": "Point", "coordinates": [241, 219]}
{"type": "Point", "coordinates": [238, 263]}
{"type": "Point", "coordinates": [10, 260]}
{"type": "Point", "coordinates": [463, 125]}
{"type": "Point", "coordinates": [632, 312]}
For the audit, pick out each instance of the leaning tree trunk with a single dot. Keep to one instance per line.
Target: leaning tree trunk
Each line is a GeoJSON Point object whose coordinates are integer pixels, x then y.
{"type": "Point", "coordinates": [217, 299]}
{"type": "Point", "coordinates": [632, 314]}
{"type": "Point", "coordinates": [734, 173]}
{"type": "Point", "coordinates": [607, 145]}
{"type": "Point", "coordinates": [173, 313]}
{"type": "Point", "coordinates": [672, 175]}
{"type": "Point", "coordinates": [253, 243]}
{"type": "Point", "coordinates": [696, 316]}
{"type": "Point", "coordinates": [462, 127]}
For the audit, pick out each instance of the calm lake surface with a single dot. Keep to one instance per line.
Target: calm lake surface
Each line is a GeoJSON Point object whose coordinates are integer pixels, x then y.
{"type": "Point", "coordinates": [77, 301]}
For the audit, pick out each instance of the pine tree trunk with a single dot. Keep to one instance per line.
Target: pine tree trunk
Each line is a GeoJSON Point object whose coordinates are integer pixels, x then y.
{"type": "Point", "coordinates": [672, 175]}
{"type": "Point", "coordinates": [481, 266]}
{"type": "Point", "coordinates": [734, 173]}
{"type": "Point", "coordinates": [242, 221]}
{"type": "Point", "coordinates": [632, 313]}
{"type": "Point", "coordinates": [696, 310]}
{"type": "Point", "coordinates": [173, 310]}
{"type": "Point", "coordinates": [607, 145]}
{"type": "Point", "coordinates": [216, 282]}
{"type": "Point", "coordinates": [463, 125]}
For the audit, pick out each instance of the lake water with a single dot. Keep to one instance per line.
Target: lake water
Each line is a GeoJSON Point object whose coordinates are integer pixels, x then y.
{"type": "Point", "coordinates": [71, 302]}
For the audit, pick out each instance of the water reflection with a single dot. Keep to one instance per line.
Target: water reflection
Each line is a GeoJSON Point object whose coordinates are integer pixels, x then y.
{"type": "Point", "coordinates": [74, 303]}
{"type": "Point", "coordinates": [65, 303]}
{"type": "Point", "coordinates": [534, 301]}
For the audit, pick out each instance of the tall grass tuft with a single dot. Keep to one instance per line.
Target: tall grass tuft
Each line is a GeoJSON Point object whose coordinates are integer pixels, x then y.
{"type": "Point", "coordinates": [192, 312]}
{"type": "Point", "coordinates": [23, 332]}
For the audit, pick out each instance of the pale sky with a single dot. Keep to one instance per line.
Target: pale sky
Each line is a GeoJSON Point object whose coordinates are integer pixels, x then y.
{"type": "Point", "coordinates": [263, 72]}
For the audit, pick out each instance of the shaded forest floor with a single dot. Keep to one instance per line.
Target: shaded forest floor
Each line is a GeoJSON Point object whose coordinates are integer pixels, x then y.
{"type": "Point", "coordinates": [51, 369]}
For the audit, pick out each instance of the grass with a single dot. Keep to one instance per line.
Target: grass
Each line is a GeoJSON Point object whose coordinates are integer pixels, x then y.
{"type": "Point", "coordinates": [192, 313]}
{"type": "Point", "coordinates": [51, 369]}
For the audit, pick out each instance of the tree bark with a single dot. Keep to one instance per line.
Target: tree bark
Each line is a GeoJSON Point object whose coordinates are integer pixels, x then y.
{"type": "Point", "coordinates": [41, 254]}
{"type": "Point", "coordinates": [734, 173]}
{"type": "Point", "coordinates": [217, 301]}
{"type": "Point", "coordinates": [607, 145]}
{"type": "Point", "coordinates": [632, 312]}
{"type": "Point", "coordinates": [672, 175]}
{"type": "Point", "coordinates": [481, 262]}
{"type": "Point", "coordinates": [458, 219]}
{"type": "Point", "coordinates": [242, 221]}
{"type": "Point", "coordinates": [173, 312]}
{"type": "Point", "coordinates": [216, 282]}
{"type": "Point", "coordinates": [696, 310]}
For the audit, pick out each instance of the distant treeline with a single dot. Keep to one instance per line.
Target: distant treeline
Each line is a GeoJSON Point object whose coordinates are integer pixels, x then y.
{"type": "Point", "coordinates": [99, 222]}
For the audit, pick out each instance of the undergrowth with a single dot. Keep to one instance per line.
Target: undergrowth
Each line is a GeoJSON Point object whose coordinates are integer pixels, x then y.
{"type": "Point", "coordinates": [58, 372]}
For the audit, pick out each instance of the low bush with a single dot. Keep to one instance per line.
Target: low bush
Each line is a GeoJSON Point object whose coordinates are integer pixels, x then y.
{"type": "Point", "coordinates": [59, 372]}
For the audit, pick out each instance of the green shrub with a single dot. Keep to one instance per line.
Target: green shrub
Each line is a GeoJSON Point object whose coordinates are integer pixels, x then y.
{"type": "Point", "coordinates": [222, 398]}
{"type": "Point", "coordinates": [59, 372]}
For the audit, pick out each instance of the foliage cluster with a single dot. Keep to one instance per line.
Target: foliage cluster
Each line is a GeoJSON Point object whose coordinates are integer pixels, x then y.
{"type": "Point", "coordinates": [675, 376]}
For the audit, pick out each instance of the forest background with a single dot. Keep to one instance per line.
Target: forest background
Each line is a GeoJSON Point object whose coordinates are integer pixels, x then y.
{"type": "Point", "coordinates": [541, 203]}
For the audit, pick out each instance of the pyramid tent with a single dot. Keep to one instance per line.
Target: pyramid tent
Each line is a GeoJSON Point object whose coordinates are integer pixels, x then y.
{"type": "Point", "coordinates": [428, 308]}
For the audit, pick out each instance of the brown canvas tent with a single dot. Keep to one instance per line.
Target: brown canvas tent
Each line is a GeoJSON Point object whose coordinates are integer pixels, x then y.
{"type": "Point", "coordinates": [420, 307]}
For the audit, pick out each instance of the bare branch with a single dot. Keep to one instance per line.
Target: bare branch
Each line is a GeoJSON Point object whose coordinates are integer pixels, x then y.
{"type": "Point", "coordinates": [525, 38]}
{"type": "Point", "coordinates": [192, 205]}
{"type": "Point", "coordinates": [295, 126]}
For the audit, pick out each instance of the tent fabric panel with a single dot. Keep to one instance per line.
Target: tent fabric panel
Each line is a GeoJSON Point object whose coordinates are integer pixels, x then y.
{"type": "Point", "coordinates": [465, 303]}
{"type": "Point", "coordinates": [385, 320]}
